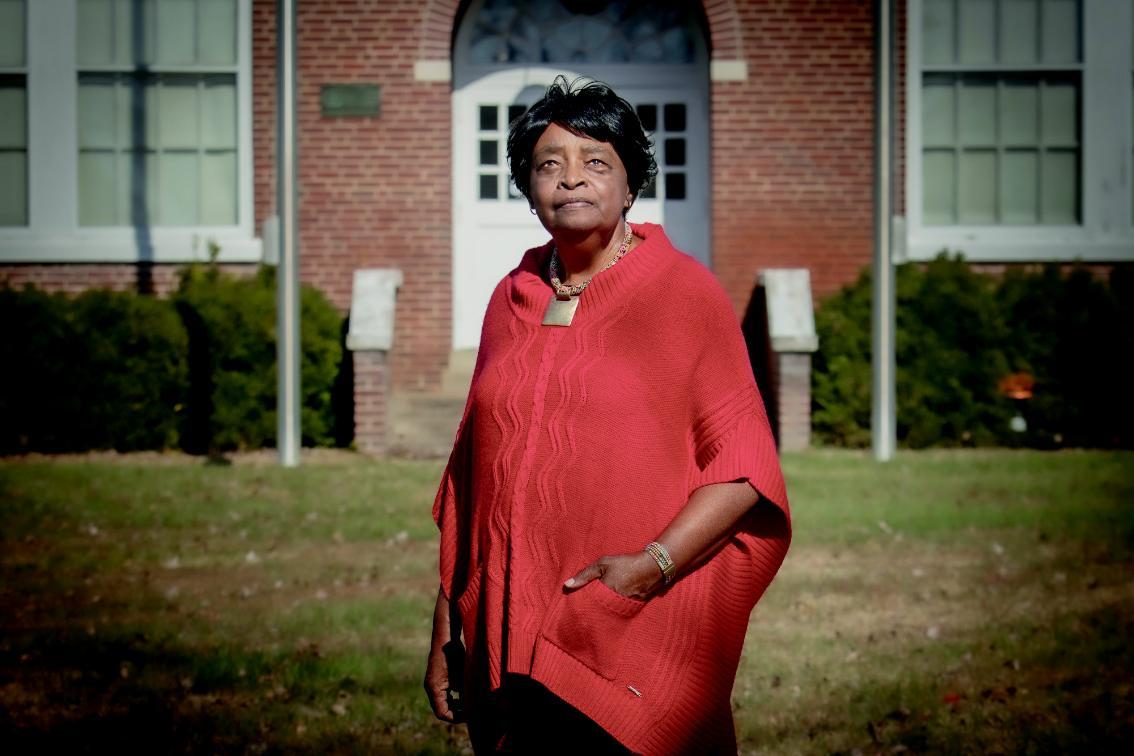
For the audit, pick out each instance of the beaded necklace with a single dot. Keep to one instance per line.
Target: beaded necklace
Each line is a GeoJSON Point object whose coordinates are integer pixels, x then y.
{"type": "Point", "coordinates": [561, 309]}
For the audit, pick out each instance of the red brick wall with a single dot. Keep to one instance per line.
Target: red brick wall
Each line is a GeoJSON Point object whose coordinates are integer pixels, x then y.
{"type": "Point", "coordinates": [793, 145]}
{"type": "Point", "coordinates": [73, 278]}
{"type": "Point", "coordinates": [791, 156]}
{"type": "Point", "coordinates": [374, 192]}
{"type": "Point", "coordinates": [264, 109]}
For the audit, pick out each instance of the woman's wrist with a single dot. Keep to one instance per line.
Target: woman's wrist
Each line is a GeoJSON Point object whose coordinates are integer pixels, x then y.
{"type": "Point", "coordinates": [664, 561]}
{"type": "Point", "coordinates": [441, 624]}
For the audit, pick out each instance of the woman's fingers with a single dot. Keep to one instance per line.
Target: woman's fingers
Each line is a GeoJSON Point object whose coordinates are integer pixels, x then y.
{"type": "Point", "coordinates": [633, 575]}
{"type": "Point", "coordinates": [436, 687]}
{"type": "Point", "coordinates": [591, 572]}
{"type": "Point", "coordinates": [440, 705]}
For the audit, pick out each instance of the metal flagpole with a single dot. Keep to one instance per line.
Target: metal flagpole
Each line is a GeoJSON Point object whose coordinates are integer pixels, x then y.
{"type": "Point", "coordinates": [884, 421]}
{"type": "Point", "coordinates": [287, 271]}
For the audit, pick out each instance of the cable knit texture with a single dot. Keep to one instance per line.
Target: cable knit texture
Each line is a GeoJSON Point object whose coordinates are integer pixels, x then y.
{"type": "Point", "coordinates": [584, 441]}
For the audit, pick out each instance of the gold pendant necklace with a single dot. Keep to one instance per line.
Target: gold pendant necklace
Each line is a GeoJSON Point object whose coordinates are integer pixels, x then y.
{"type": "Point", "coordinates": [561, 309]}
{"type": "Point", "coordinates": [560, 312]}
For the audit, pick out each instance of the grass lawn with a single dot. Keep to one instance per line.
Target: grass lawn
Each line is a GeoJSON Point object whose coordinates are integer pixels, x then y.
{"type": "Point", "coordinates": [947, 602]}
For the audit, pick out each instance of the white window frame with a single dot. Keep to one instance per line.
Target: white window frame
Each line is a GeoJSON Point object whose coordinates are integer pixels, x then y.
{"type": "Point", "coordinates": [1106, 231]}
{"type": "Point", "coordinates": [21, 70]}
{"type": "Point", "coordinates": [53, 233]}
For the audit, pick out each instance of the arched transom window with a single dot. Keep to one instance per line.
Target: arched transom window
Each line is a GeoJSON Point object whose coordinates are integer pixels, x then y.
{"type": "Point", "coordinates": [576, 31]}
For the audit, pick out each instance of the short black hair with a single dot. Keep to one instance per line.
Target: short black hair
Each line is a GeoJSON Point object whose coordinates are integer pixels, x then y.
{"type": "Point", "coordinates": [590, 109]}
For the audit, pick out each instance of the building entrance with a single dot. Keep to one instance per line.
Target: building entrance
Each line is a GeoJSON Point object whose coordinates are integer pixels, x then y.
{"type": "Point", "coordinates": [505, 56]}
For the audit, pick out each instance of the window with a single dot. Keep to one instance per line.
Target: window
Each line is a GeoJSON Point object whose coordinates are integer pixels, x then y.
{"type": "Point", "coordinates": [1015, 111]}
{"type": "Point", "coordinates": [132, 122]}
{"type": "Point", "coordinates": [668, 133]}
{"type": "Point", "coordinates": [493, 122]}
{"type": "Point", "coordinates": [157, 112]}
{"type": "Point", "coordinates": [1000, 147]}
{"type": "Point", "coordinates": [13, 115]}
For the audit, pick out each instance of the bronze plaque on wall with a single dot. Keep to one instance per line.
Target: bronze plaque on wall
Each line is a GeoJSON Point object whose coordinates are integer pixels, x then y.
{"type": "Point", "coordinates": [346, 100]}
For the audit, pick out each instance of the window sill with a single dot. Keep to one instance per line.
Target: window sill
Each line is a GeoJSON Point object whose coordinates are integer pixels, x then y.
{"type": "Point", "coordinates": [1020, 245]}
{"type": "Point", "coordinates": [116, 245]}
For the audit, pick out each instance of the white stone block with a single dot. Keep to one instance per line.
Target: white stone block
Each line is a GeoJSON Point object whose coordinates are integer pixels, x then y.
{"type": "Point", "coordinates": [372, 303]}
{"type": "Point", "coordinates": [432, 70]}
{"type": "Point", "coordinates": [728, 70]}
{"type": "Point", "coordinates": [791, 316]}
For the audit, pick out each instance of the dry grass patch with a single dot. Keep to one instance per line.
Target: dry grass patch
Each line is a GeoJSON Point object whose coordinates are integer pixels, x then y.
{"type": "Point", "coordinates": [991, 646]}
{"type": "Point", "coordinates": [946, 603]}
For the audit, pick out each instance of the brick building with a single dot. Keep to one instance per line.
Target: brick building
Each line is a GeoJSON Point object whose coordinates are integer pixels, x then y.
{"type": "Point", "coordinates": [135, 132]}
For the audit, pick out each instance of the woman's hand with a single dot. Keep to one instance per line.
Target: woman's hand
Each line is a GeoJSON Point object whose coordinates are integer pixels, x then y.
{"type": "Point", "coordinates": [706, 523]}
{"type": "Point", "coordinates": [633, 575]}
{"type": "Point", "coordinates": [445, 667]}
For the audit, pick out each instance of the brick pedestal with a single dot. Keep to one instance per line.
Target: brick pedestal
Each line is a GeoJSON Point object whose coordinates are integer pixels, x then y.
{"type": "Point", "coordinates": [370, 338]}
{"type": "Point", "coordinates": [371, 400]}
{"type": "Point", "coordinates": [791, 339]}
{"type": "Point", "coordinates": [791, 376]}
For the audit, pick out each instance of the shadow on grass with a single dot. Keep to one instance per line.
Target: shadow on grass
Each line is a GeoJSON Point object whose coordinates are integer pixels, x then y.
{"type": "Point", "coordinates": [1024, 689]}
{"type": "Point", "coordinates": [128, 693]}
{"type": "Point", "coordinates": [75, 693]}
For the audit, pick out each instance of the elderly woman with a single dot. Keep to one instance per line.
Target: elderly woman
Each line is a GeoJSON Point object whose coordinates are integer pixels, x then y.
{"type": "Point", "coordinates": [613, 507]}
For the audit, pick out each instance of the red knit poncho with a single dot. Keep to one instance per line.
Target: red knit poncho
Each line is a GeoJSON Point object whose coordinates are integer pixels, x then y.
{"type": "Point", "coordinates": [585, 441]}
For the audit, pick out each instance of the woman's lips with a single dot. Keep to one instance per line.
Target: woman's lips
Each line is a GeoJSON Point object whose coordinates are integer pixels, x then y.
{"type": "Point", "coordinates": [572, 203]}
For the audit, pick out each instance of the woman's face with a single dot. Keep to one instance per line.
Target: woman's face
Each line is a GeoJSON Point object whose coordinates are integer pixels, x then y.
{"type": "Point", "coordinates": [578, 184]}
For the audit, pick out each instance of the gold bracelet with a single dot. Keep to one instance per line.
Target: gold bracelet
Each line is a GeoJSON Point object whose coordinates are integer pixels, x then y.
{"type": "Point", "coordinates": [662, 557]}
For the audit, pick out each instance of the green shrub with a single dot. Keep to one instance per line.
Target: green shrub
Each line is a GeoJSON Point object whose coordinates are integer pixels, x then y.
{"type": "Point", "coordinates": [1069, 332]}
{"type": "Point", "coordinates": [959, 333]}
{"type": "Point", "coordinates": [136, 380]}
{"type": "Point", "coordinates": [232, 353]}
{"type": "Point", "coordinates": [840, 374]}
{"type": "Point", "coordinates": [125, 371]}
{"type": "Point", "coordinates": [37, 405]}
{"type": "Point", "coordinates": [949, 356]}
{"type": "Point", "coordinates": [321, 342]}
{"type": "Point", "coordinates": [105, 370]}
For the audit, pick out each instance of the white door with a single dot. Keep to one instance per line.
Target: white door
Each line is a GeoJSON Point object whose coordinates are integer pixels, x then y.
{"type": "Point", "coordinates": [492, 225]}
{"type": "Point", "coordinates": [677, 121]}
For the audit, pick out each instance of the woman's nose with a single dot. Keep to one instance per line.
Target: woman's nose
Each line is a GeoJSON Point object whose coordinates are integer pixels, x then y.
{"type": "Point", "coordinates": [572, 174]}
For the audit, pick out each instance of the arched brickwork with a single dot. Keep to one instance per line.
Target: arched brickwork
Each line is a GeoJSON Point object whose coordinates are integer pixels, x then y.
{"type": "Point", "coordinates": [437, 20]}
{"type": "Point", "coordinates": [438, 17]}
{"type": "Point", "coordinates": [725, 38]}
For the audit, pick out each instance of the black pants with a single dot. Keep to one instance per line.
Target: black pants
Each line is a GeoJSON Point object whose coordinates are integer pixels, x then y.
{"type": "Point", "coordinates": [524, 717]}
